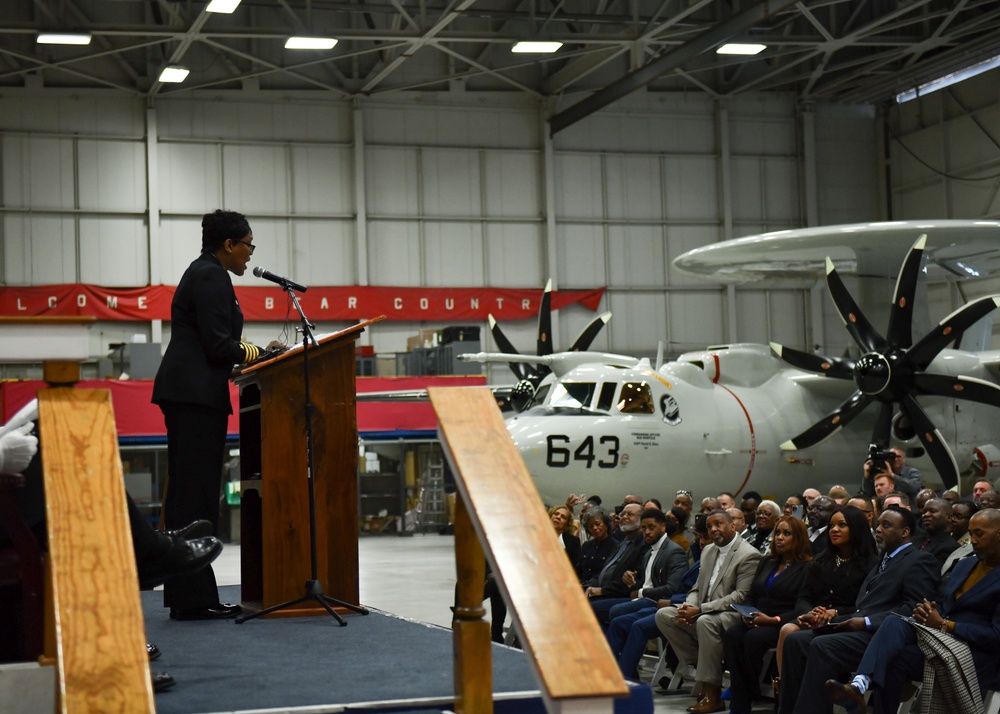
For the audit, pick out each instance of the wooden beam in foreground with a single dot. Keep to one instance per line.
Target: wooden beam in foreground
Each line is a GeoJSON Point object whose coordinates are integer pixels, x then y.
{"type": "Point", "coordinates": [99, 630]}
{"type": "Point", "coordinates": [571, 658]}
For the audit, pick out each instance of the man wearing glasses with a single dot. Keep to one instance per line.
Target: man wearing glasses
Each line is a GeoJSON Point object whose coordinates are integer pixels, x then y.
{"type": "Point", "coordinates": [906, 478]}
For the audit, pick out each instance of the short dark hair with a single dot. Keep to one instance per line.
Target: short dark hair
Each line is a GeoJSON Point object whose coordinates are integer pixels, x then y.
{"type": "Point", "coordinates": [657, 502]}
{"type": "Point", "coordinates": [680, 514]}
{"type": "Point", "coordinates": [752, 494]}
{"type": "Point", "coordinates": [655, 513]}
{"type": "Point", "coordinates": [910, 520]}
{"type": "Point", "coordinates": [219, 226]}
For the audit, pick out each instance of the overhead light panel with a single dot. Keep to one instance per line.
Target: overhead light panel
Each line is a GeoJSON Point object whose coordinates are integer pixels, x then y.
{"type": "Point", "coordinates": [949, 79]}
{"type": "Point", "coordinates": [740, 48]}
{"type": "Point", "coordinates": [223, 6]}
{"type": "Point", "coordinates": [310, 43]}
{"type": "Point", "coordinates": [63, 38]}
{"type": "Point", "coordinates": [536, 47]}
{"type": "Point", "coordinates": [172, 74]}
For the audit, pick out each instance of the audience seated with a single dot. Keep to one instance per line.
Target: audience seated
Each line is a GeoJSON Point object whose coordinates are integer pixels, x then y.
{"type": "Point", "coordinates": [562, 520]}
{"type": "Point", "coordinates": [964, 620]}
{"type": "Point", "coordinates": [904, 577]}
{"type": "Point", "coordinates": [773, 595]}
{"type": "Point", "coordinates": [661, 570]}
{"type": "Point", "coordinates": [767, 515]}
{"type": "Point", "coordinates": [608, 587]}
{"type": "Point", "coordinates": [937, 539]}
{"type": "Point", "coordinates": [820, 511]}
{"type": "Point", "coordinates": [835, 575]}
{"type": "Point", "coordinates": [694, 629]}
{"type": "Point", "coordinates": [598, 548]}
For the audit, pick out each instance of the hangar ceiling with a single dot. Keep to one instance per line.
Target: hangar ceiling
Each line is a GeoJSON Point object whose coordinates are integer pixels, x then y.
{"type": "Point", "coordinates": [851, 51]}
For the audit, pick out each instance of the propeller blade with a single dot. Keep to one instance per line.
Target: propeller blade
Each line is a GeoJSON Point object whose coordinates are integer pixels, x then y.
{"type": "Point", "coordinates": [857, 324]}
{"type": "Point", "coordinates": [883, 425]}
{"type": "Point", "coordinates": [830, 424]}
{"type": "Point", "coordinates": [930, 437]}
{"type": "Point", "coordinates": [922, 353]}
{"type": "Point", "coordinates": [520, 370]}
{"type": "Point", "coordinates": [900, 331]}
{"type": "Point", "coordinates": [545, 322]}
{"type": "Point", "coordinates": [968, 388]}
{"type": "Point", "coordinates": [583, 340]}
{"type": "Point", "coordinates": [830, 367]}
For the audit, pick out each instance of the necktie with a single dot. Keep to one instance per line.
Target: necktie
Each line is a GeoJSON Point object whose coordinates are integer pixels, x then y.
{"type": "Point", "coordinates": [885, 562]}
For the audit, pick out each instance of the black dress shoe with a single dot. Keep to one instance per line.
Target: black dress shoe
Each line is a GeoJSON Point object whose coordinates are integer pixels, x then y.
{"type": "Point", "coordinates": [194, 529]}
{"type": "Point", "coordinates": [184, 556]}
{"type": "Point", "coordinates": [153, 651]}
{"type": "Point", "coordinates": [845, 695]}
{"type": "Point", "coordinates": [162, 681]}
{"type": "Point", "coordinates": [219, 611]}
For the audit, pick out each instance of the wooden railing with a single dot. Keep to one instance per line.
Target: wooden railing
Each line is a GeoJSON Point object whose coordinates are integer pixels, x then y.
{"type": "Point", "coordinates": [96, 631]}
{"type": "Point", "coordinates": [501, 515]}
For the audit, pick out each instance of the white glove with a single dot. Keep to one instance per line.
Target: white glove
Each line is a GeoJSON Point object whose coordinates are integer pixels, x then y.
{"type": "Point", "coordinates": [17, 448]}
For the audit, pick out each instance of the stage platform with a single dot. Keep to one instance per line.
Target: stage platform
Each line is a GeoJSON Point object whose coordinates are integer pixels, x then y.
{"type": "Point", "coordinates": [379, 662]}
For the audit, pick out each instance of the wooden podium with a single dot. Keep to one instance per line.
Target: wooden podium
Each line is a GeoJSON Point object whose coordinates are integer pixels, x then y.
{"type": "Point", "coordinates": [274, 511]}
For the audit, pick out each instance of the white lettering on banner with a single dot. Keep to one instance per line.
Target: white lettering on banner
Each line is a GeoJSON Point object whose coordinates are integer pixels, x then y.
{"type": "Point", "coordinates": [526, 304]}
{"type": "Point", "coordinates": [474, 304]}
{"type": "Point", "coordinates": [20, 306]}
{"type": "Point", "coordinates": [423, 303]}
{"type": "Point", "coordinates": [52, 301]}
{"type": "Point", "coordinates": [142, 303]}
{"type": "Point", "coordinates": [324, 304]}
{"type": "Point", "coordinates": [81, 300]}
{"type": "Point", "coordinates": [499, 303]}
{"type": "Point", "coordinates": [269, 303]}
{"type": "Point", "coordinates": [112, 301]}
{"type": "Point", "coordinates": [352, 303]}
{"type": "Point", "coordinates": [397, 303]}
{"type": "Point", "coordinates": [449, 303]}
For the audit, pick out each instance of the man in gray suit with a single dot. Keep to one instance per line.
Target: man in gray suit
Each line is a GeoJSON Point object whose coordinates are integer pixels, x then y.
{"type": "Point", "coordinates": [695, 628]}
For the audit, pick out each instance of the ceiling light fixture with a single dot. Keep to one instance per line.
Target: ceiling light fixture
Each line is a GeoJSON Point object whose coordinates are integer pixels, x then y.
{"type": "Point", "coordinates": [63, 38]}
{"type": "Point", "coordinates": [949, 79]}
{"type": "Point", "coordinates": [310, 43]}
{"type": "Point", "coordinates": [223, 6]}
{"type": "Point", "coordinates": [536, 47]}
{"type": "Point", "coordinates": [740, 48]}
{"type": "Point", "coordinates": [172, 74]}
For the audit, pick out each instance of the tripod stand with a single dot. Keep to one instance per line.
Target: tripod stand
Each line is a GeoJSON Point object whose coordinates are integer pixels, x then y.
{"type": "Point", "coordinates": [313, 588]}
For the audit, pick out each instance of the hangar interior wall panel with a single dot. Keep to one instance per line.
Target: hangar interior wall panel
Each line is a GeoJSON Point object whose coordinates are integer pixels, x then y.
{"type": "Point", "coordinates": [944, 162]}
{"type": "Point", "coordinates": [453, 194]}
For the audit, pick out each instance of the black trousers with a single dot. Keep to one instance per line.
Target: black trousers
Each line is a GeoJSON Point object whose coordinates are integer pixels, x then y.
{"type": "Point", "coordinates": [745, 649]}
{"type": "Point", "coordinates": [196, 441]}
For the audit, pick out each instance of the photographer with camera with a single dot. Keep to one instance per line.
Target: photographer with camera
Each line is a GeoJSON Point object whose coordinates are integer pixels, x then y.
{"type": "Point", "coordinates": [891, 462]}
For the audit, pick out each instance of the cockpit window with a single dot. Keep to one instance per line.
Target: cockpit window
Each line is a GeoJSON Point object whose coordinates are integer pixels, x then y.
{"type": "Point", "coordinates": [572, 394]}
{"type": "Point", "coordinates": [607, 398]}
{"type": "Point", "coordinates": [636, 398]}
{"type": "Point", "coordinates": [540, 395]}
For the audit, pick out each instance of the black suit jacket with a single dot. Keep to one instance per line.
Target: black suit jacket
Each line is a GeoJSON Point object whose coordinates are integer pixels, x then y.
{"type": "Point", "coordinates": [940, 546]}
{"type": "Point", "coordinates": [572, 545]}
{"type": "Point", "coordinates": [612, 584]}
{"type": "Point", "coordinates": [781, 597]}
{"type": "Point", "coordinates": [909, 577]}
{"type": "Point", "coordinates": [668, 568]}
{"type": "Point", "coordinates": [205, 327]}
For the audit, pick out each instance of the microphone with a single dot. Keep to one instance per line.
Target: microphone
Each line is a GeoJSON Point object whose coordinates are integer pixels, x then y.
{"type": "Point", "coordinates": [285, 283]}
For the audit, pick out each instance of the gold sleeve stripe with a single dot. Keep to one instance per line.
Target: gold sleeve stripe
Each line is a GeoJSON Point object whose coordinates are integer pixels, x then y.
{"type": "Point", "coordinates": [250, 352]}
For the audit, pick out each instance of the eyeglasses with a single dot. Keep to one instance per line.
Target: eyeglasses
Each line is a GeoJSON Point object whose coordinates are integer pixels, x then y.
{"type": "Point", "coordinates": [251, 246]}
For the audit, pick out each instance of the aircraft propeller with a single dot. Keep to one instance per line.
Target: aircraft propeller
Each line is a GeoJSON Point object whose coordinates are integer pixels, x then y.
{"type": "Point", "coordinates": [530, 375]}
{"type": "Point", "coordinates": [890, 370]}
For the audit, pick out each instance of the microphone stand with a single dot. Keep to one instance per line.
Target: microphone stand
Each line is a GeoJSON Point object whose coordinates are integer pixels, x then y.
{"type": "Point", "coordinates": [313, 589]}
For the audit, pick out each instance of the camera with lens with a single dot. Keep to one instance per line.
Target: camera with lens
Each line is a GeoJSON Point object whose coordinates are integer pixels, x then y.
{"type": "Point", "coordinates": [879, 458]}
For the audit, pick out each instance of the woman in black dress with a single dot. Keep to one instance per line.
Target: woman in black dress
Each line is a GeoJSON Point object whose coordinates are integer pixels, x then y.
{"type": "Point", "coordinates": [772, 598]}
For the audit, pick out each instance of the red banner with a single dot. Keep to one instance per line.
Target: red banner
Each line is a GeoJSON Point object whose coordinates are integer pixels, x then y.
{"type": "Point", "coordinates": [270, 304]}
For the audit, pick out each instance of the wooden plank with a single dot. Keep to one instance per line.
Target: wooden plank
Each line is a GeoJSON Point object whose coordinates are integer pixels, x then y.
{"type": "Point", "coordinates": [570, 655]}
{"type": "Point", "coordinates": [99, 631]}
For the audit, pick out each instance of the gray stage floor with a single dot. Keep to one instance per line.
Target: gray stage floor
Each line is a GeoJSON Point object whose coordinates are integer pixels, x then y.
{"type": "Point", "coordinates": [426, 563]}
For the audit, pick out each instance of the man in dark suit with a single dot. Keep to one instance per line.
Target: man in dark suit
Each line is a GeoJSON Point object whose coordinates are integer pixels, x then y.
{"type": "Point", "coordinates": [608, 588]}
{"type": "Point", "coordinates": [968, 608]}
{"type": "Point", "coordinates": [659, 575]}
{"type": "Point", "coordinates": [937, 540]}
{"type": "Point", "coordinates": [818, 515]}
{"type": "Point", "coordinates": [903, 577]}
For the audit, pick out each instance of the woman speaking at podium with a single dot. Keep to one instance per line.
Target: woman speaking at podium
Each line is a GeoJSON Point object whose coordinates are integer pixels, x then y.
{"type": "Point", "coordinates": [192, 391]}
